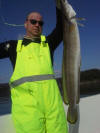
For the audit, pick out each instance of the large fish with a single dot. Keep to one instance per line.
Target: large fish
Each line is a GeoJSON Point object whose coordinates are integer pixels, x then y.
{"type": "Point", "coordinates": [71, 62]}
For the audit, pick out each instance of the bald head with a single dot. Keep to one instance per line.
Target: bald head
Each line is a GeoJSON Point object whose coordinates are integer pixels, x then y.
{"type": "Point", "coordinates": [35, 14]}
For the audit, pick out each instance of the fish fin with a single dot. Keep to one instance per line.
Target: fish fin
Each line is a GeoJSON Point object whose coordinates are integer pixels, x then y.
{"type": "Point", "coordinates": [72, 114]}
{"type": "Point", "coordinates": [79, 19]}
{"type": "Point", "coordinates": [80, 24]}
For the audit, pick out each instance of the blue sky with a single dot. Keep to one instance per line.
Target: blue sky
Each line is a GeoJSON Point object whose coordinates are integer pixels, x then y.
{"type": "Point", "coordinates": [15, 11]}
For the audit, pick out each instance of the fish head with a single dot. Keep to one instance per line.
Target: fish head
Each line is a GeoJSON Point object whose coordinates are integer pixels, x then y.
{"type": "Point", "coordinates": [67, 10]}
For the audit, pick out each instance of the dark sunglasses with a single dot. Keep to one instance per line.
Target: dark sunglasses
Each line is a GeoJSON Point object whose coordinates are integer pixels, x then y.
{"type": "Point", "coordinates": [33, 22]}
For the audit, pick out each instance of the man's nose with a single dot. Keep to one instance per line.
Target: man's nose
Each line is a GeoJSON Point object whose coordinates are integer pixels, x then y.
{"type": "Point", "coordinates": [37, 24]}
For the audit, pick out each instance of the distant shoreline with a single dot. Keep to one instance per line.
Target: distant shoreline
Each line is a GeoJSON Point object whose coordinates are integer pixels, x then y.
{"type": "Point", "coordinates": [89, 83]}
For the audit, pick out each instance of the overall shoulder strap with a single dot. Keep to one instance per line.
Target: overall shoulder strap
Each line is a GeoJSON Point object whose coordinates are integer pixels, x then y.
{"type": "Point", "coordinates": [43, 41]}
{"type": "Point", "coordinates": [43, 38]}
{"type": "Point", "coordinates": [19, 45]}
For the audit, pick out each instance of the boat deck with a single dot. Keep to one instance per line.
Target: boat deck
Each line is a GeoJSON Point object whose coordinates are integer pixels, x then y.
{"type": "Point", "coordinates": [88, 122]}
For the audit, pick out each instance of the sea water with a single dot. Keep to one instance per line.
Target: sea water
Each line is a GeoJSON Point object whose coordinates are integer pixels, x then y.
{"type": "Point", "coordinates": [5, 105]}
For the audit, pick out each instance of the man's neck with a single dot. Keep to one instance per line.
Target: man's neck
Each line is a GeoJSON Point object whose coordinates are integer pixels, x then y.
{"type": "Point", "coordinates": [32, 38]}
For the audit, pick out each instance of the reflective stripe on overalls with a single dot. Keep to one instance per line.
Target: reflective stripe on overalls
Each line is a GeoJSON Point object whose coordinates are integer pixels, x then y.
{"type": "Point", "coordinates": [32, 79]}
{"type": "Point", "coordinates": [36, 102]}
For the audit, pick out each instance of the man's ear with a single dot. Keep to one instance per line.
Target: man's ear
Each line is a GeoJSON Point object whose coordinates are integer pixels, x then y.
{"type": "Point", "coordinates": [25, 25]}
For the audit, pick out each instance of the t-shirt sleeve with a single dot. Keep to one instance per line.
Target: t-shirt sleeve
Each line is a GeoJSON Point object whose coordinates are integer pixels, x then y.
{"type": "Point", "coordinates": [7, 48]}
{"type": "Point", "coordinates": [55, 38]}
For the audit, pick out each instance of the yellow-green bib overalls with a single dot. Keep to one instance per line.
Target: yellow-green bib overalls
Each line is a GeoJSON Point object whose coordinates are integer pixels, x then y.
{"type": "Point", "coordinates": [36, 106]}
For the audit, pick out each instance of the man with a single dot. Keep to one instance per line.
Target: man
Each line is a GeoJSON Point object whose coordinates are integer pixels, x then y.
{"type": "Point", "coordinates": [37, 106]}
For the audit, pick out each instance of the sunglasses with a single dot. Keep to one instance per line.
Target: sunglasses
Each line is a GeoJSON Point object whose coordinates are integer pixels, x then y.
{"type": "Point", "coordinates": [33, 22]}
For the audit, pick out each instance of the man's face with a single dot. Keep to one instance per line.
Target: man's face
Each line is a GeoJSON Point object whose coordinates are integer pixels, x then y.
{"type": "Point", "coordinates": [33, 25]}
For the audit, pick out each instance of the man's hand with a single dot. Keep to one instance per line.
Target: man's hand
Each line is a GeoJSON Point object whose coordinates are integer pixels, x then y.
{"type": "Point", "coordinates": [58, 5]}
{"type": "Point", "coordinates": [69, 10]}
